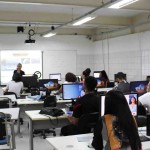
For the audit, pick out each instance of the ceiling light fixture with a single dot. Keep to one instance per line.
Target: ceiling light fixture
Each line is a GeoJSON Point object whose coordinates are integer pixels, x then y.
{"type": "Point", "coordinates": [83, 20]}
{"type": "Point", "coordinates": [49, 34]}
{"type": "Point", "coordinates": [122, 3]}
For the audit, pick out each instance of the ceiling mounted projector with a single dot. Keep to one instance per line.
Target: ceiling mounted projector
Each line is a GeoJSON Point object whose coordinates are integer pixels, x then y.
{"type": "Point", "coordinates": [31, 32]}
{"type": "Point", "coordinates": [29, 41]}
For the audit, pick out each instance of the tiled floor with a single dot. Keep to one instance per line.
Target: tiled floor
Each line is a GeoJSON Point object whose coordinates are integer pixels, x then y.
{"type": "Point", "coordinates": [39, 142]}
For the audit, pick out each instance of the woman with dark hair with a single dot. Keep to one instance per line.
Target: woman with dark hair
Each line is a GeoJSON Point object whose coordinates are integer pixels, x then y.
{"type": "Point", "coordinates": [15, 85]}
{"type": "Point", "coordinates": [117, 127]}
{"type": "Point", "coordinates": [86, 73]}
{"type": "Point", "coordinates": [69, 78]}
{"type": "Point", "coordinates": [103, 78]}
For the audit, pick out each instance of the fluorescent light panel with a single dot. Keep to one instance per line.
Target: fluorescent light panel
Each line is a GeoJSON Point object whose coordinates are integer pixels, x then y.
{"type": "Point", "coordinates": [83, 20]}
{"type": "Point", "coordinates": [49, 34]}
{"type": "Point", "coordinates": [122, 3]}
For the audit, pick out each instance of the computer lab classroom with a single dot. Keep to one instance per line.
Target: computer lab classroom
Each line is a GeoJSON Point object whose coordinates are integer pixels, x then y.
{"type": "Point", "coordinates": [56, 37]}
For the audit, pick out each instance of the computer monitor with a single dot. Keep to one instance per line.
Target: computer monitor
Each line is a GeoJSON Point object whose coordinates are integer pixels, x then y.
{"type": "Point", "coordinates": [72, 91]}
{"type": "Point", "coordinates": [96, 74]}
{"type": "Point", "coordinates": [29, 81]}
{"type": "Point", "coordinates": [138, 86]}
{"type": "Point", "coordinates": [100, 83]}
{"type": "Point", "coordinates": [43, 83]}
{"type": "Point", "coordinates": [110, 84]}
{"type": "Point", "coordinates": [129, 97]}
{"type": "Point", "coordinates": [78, 78]}
{"type": "Point", "coordinates": [55, 76]}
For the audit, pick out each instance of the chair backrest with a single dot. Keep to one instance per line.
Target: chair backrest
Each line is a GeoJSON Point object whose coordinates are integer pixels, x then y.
{"type": "Point", "coordinates": [50, 101]}
{"type": "Point", "coordinates": [10, 93]}
{"type": "Point", "coordinates": [2, 126]}
{"type": "Point", "coordinates": [5, 138]}
{"type": "Point", "coordinates": [87, 122]}
{"type": "Point", "coordinates": [141, 121]}
{"type": "Point", "coordinates": [142, 110]}
{"type": "Point", "coordinates": [5, 102]}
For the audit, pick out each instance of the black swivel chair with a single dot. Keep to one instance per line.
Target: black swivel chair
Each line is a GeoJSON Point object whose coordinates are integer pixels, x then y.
{"type": "Point", "coordinates": [50, 101]}
{"type": "Point", "coordinates": [12, 93]}
{"type": "Point", "coordinates": [87, 122]}
{"type": "Point", "coordinates": [141, 118]}
{"type": "Point", "coordinates": [4, 102]}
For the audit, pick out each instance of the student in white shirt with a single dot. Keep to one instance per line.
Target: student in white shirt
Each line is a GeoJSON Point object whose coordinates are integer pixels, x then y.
{"type": "Point", "coordinates": [15, 85]}
{"type": "Point", "coordinates": [145, 98]}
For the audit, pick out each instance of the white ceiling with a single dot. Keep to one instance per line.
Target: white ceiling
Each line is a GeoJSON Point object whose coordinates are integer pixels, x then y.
{"type": "Point", "coordinates": [42, 14]}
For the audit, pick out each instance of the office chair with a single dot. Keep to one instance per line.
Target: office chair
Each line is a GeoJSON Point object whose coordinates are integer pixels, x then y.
{"type": "Point", "coordinates": [15, 104]}
{"type": "Point", "coordinates": [5, 138]}
{"type": "Point", "coordinates": [141, 118]}
{"type": "Point", "coordinates": [50, 101]}
{"type": "Point", "coordinates": [87, 122]}
{"type": "Point", "coordinates": [5, 102]}
{"type": "Point", "coordinates": [10, 93]}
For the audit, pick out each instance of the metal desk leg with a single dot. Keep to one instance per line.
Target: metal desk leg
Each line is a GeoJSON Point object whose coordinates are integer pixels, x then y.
{"type": "Point", "coordinates": [18, 124]}
{"type": "Point", "coordinates": [13, 136]}
{"type": "Point", "coordinates": [31, 134]}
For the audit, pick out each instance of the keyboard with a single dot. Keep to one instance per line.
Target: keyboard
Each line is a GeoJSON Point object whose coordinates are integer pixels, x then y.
{"type": "Point", "coordinates": [144, 138]}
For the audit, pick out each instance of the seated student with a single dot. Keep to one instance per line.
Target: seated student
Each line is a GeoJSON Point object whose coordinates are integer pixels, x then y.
{"type": "Point", "coordinates": [103, 79]}
{"type": "Point", "coordinates": [122, 85]}
{"type": "Point", "coordinates": [85, 73]}
{"type": "Point", "coordinates": [69, 78]}
{"type": "Point", "coordinates": [145, 98]}
{"type": "Point", "coordinates": [117, 129]}
{"type": "Point", "coordinates": [86, 104]}
{"type": "Point", "coordinates": [15, 85]}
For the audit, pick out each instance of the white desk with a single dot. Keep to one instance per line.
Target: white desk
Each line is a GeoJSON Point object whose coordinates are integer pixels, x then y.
{"type": "Point", "coordinates": [13, 111]}
{"type": "Point", "coordinates": [35, 102]}
{"type": "Point", "coordinates": [39, 121]}
{"type": "Point", "coordinates": [15, 115]}
{"type": "Point", "coordinates": [71, 142]}
{"type": "Point", "coordinates": [81, 142]}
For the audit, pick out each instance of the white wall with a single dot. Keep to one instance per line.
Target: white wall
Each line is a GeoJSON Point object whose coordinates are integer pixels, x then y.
{"type": "Point", "coordinates": [80, 44]}
{"type": "Point", "coordinates": [129, 54]}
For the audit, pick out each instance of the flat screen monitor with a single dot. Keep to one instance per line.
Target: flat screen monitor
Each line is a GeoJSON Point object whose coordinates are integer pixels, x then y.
{"type": "Point", "coordinates": [100, 83]}
{"type": "Point", "coordinates": [78, 78]}
{"type": "Point", "coordinates": [96, 74]}
{"type": "Point", "coordinates": [129, 97]}
{"type": "Point", "coordinates": [55, 76]}
{"type": "Point", "coordinates": [138, 86]}
{"type": "Point", "coordinates": [43, 83]}
{"type": "Point", "coordinates": [29, 81]}
{"type": "Point", "coordinates": [110, 84]}
{"type": "Point", "coordinates": [72, 91]}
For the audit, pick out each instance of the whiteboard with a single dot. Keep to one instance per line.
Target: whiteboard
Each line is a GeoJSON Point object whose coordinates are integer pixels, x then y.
{"type": "Point", "coordinates": [59, 62]}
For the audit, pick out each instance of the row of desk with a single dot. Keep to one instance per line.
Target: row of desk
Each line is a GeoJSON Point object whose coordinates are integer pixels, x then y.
{"type": "Point", "coordinates": [39, 121]}
{"type": "Point", "coordinates": [81, 142]}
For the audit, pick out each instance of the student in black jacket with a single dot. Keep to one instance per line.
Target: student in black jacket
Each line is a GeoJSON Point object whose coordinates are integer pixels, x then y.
{"type": "Point", "coordinates": [87, 104]}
